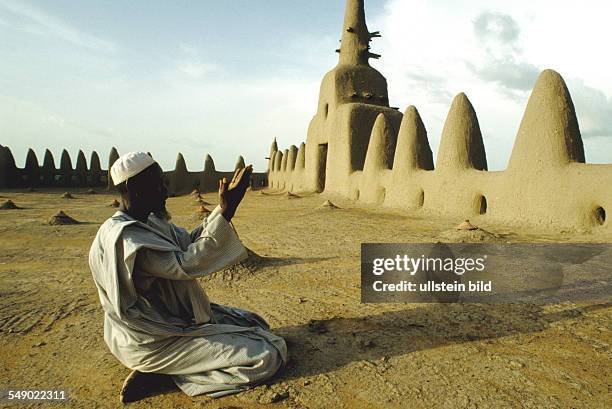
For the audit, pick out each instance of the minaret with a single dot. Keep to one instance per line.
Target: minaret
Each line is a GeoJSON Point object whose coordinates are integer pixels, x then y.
{"type": "Point", "coordinates": [355, 48]}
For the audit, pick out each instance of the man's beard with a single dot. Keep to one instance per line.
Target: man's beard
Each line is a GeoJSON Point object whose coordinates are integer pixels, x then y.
{"type": "Point", "coordinates": [163, 213]}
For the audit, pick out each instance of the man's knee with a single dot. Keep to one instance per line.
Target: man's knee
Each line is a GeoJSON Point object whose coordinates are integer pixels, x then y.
{"type": "Point", "coordinates": [273, 359]}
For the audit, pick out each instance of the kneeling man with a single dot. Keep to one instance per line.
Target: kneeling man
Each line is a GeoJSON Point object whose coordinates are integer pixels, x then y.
{"type": "Point", "coordinates": [157, 318]}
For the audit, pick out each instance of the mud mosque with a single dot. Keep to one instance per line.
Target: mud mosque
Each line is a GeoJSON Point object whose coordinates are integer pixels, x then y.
{"type": "Point", "coordinates": [360, 148]}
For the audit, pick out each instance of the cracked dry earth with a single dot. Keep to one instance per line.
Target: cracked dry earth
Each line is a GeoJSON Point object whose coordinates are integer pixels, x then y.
{"type": "Point", "coordinates": [343, 354]}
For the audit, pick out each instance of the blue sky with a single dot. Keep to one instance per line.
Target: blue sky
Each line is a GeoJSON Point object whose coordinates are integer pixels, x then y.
{"type": "Point", "coordinates": [226, 77]}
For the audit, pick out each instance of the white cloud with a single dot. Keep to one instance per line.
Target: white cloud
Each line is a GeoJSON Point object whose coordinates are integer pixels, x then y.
{"type": "Point", "coordinates": [193, 64]}
{"type": "Point", "coordinates": [26, 124]}
{"type": "Point", "coordinates": [493, 51]}
{"type": "Point", "coordinates": [593, 108]}
{"type": "Point", "coordinates": [26, 17]}
{"type": "Point", "coordinates": [196, 70]}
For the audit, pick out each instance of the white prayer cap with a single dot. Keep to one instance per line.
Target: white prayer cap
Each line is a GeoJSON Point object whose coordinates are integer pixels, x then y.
{"type": "Point", "coordinates": [130, 164]}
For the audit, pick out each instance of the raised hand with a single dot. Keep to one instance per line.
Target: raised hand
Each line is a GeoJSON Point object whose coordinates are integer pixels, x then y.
{"type": "Point", "coordinates": [231, 193]}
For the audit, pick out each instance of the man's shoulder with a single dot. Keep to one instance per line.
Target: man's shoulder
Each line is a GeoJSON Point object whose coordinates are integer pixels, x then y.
{"type": "Point", "coordinates": [114, 225]}
{"type": "Point", "coordinates": [157, 222]}
{"type": "Point", "coordinates": [133, 233]}
{"type": "Point", "coordinates": [119, 219]}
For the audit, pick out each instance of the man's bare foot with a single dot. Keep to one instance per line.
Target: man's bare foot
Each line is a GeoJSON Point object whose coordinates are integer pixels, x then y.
{"type": "Point", "coordinates": [140, 385]}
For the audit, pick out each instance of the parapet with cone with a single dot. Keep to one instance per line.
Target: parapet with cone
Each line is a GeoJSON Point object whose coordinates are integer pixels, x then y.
{"type": "Point", "coordinates": [112, 157]}
{"type": "Point", "coordinates": [360, 148]}
{"type": "Point", "coordinates": [239, 163]}
{"type": "Point", "coordinates": [81, 169]}
{"type": "Point", "coordinates": [65, 169]}
{"type": "Point", "coordinates": [461, 145]}
{"type": "Point", "coordinates": [95, 169]}
{"type": "Point", "coordinates": [32, 169]}
{"type": "Point", "coordinates": [179, 180]}
{"type": "Point", "coordinates": [48, 172]}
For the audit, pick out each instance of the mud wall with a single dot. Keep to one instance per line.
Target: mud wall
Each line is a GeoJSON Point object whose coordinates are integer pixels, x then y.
{"type": "Point", "coordinates": [546, 183]}
{"type": "Point", "coordinates": [32, 175]}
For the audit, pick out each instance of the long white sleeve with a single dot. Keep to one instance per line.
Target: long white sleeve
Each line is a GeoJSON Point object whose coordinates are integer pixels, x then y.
{"type": "Point", "coordinates": [216, 248]}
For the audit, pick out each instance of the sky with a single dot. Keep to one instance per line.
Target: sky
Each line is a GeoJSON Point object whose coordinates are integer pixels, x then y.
{"type": "Point", "coordinates": [227, 77]}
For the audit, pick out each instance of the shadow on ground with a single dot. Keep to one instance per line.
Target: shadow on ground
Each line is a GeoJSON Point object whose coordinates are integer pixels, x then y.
{"type": "Point", "coordinates": [325, 346]}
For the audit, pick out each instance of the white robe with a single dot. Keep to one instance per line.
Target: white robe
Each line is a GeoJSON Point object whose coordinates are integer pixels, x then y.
{"type": "Point", "coordinates": [157, 318]}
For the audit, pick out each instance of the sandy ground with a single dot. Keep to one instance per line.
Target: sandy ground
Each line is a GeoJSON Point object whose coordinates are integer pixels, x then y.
{"type": "Point", "coordinates": [366, 355]}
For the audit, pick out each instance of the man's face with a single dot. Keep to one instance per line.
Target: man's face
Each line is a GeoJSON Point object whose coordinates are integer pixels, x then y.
{"type": "Point", "coordinates": [150, 192]}
{"type": "Point", "coordinates": [159, 193]}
